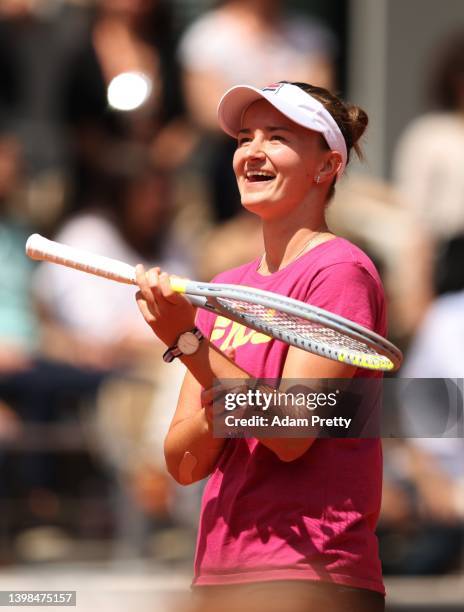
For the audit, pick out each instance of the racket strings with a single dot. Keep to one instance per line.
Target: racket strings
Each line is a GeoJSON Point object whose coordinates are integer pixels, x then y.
{"type": "Point", "coordinates": [304, 328]}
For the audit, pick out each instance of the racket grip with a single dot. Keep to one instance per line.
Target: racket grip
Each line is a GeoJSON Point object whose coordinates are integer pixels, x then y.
{"type": "Point", "coordinates": [42, 249]}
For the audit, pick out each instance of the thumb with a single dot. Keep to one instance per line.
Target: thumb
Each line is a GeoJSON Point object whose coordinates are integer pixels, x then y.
{"type": "Point", "coordinates": [167, 291]}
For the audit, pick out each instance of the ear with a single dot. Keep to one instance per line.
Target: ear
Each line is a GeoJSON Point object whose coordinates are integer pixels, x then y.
{"type": "Point", "coordinates": [329, 167]}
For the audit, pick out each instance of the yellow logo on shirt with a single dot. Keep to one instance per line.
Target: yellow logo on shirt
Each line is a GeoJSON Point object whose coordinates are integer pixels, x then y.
{"type": "Point", "coordinates": [235, 334]}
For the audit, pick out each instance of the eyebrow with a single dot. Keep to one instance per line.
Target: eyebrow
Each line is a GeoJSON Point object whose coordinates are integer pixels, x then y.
{"type": "Point", "coordinates": [269, 128]}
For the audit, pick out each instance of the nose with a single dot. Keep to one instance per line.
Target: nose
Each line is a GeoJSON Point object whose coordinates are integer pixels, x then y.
{"type": "Point", "coordinates": [255, 149]}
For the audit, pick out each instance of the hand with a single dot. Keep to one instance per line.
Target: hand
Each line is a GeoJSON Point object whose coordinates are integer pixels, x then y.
{"type": "Point", "coordinates": [168, 313]}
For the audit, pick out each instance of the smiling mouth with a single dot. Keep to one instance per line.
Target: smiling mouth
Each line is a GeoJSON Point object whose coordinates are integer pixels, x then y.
{"type": "Point", "coordinates": [259, 177]}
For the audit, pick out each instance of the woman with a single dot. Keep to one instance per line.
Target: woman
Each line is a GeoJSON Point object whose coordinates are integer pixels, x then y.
{"type": "Point", "coordinates": [273, 41]}
{"type": "Point", "coordinates": [283, 520]}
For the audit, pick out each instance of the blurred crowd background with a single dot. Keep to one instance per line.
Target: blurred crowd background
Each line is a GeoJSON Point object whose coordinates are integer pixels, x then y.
{"type": "Point", "coordinates": [109, 142]}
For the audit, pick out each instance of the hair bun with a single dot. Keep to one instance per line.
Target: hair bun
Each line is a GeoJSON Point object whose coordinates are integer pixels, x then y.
{"type": "Point", "coordinates": [358, 121]}
{"type": "Point", "coordinates": [351, 119]}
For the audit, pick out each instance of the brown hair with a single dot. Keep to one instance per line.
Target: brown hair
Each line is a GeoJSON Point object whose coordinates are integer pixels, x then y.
{"type": "Point", "coordinates": [351, 120]}
{"type": "Point", "coordinates": [446, 85]}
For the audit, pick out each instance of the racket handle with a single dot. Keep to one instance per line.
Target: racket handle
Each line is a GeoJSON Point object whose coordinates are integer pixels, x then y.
{"type": "Point", "coordinates": [42, 249]}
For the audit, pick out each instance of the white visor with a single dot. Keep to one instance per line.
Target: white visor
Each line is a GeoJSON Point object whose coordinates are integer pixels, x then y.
{"type": "Point", "coordinates": [292, 102]}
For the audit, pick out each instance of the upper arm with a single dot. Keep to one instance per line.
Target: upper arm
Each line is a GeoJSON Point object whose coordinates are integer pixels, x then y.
{"type": "Point", "coordinates": [301, 364]}
{"type": "Point", "coordinates": [304, 365]}
{"type": "Point", "coordinates": [347, 290]}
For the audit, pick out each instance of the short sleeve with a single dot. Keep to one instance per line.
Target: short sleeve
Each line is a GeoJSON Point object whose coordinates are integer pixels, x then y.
{"type": "Point", "coordinates": [349, 290]}
{"type": "Point", "coordinates": [204, 320]}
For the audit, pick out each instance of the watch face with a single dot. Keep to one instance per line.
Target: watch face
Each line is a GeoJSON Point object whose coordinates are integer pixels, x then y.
{"type": "Point", "coordinates": [188, 343]}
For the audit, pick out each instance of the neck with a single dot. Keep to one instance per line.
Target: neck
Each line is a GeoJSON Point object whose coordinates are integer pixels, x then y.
{"type": "Point", "coordinates": [284, 241]}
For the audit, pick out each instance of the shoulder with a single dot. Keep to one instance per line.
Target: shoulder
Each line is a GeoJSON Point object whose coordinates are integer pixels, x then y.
{"type": "Point", "coordinates": [346, 282]}
{"type": "Point", "coordinates": [446, 310]}
{"type": "Point", "coordinates": [80, 225]}
{"type": "Point", "coordinates": [426, 129]}
{"type": "Point", "coordinates": [93, 231]}
{"type": "Point", "coordinates": [431, 121]}
{"type": "Point", "coordinates": [235, 275]}
{"type": "Point", "coordinates": [341, 256]}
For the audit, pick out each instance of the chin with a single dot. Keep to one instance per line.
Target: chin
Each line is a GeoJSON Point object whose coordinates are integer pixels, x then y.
{"type": "Point", "coordinates": [258, 206]}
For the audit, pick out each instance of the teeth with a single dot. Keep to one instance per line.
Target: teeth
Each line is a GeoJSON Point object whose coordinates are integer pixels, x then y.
{"type": "Point", "coordinates": [259, 173]}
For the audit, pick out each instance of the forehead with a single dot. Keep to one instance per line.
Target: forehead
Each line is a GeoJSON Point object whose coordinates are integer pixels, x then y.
{"type": "Point", "coordinates": [262, 114]}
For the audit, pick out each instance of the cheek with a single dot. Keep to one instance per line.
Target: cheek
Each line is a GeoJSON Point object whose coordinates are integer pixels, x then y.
{"type": "Point", "coordinates": [237, 161]}
{"type": "Point", "coordinates": [290, 164]}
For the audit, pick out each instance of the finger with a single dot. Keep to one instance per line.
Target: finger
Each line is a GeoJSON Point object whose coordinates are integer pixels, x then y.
{"type": "Point", "coordinates": [214, 394]}
{"type": "Point", "coordinates": [207, 397]}
{"type": "Point", "coordinates": [152, 307]}
{"type": "Point", "coordinates": [153, 276]}
{"type": "Point", "coordinates": [142, 281]}
{"type": "Point", "coordinates": [139, 274]}
{"type": "Point", "coordinates": [149, 314]}
{"type": "Point", "coordinates": [168, 293]}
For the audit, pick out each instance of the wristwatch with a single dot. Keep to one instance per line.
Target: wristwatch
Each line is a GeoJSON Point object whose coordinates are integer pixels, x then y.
{"type": "Point", "coordinates": [187, 343]}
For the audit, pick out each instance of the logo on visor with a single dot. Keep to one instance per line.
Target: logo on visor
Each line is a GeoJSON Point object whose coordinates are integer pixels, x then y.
{"type": "Point", "coordinates": [273, 87]}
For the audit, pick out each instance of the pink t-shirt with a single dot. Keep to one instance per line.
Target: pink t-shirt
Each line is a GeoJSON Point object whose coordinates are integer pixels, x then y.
{"type": "Point", "coordinates": [313, 518]}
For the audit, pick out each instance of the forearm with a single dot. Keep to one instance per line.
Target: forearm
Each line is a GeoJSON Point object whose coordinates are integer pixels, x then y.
{"type": "Point", "coordinates": [287, 449]}
{"type": "Point", "coordinates": [209, 364]}
{"type": "Point", "coordinates": [190, 449]}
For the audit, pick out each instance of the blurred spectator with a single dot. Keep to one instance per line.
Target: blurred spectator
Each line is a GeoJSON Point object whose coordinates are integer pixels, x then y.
{"type": "Point", "coordinates": [123, 86]}
{"type": "Point", "coordinates": [96, 322]}
{"type": "Point", "coordinates": [18, 332]}
{"type": "Point", "coordinates": [37, 39]}
{"type": "Point", "coordinates": [33, 391]}
{"type": "Point", "coordinates": [231, 244]}
{"type": "Point", "coordinates": [93, 320]}
{"type": "Point", "coordinates": [428, 480]}
{"type": "Point", "coordinates": [253, 41]}
{"type": "Point", "coordinates": [449, 258]}
{"type": "Point", "coordinates": [428, 160]}
{"type": "Point", "coordinates": [18, 325]}
{"type": "Point", "coordinates": [370, 213]}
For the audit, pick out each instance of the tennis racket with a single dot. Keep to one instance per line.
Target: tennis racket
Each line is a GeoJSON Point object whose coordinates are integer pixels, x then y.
{"type": "Point", "coordinates": [297, 323]}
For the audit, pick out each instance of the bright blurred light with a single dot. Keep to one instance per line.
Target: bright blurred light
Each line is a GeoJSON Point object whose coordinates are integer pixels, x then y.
{"type": "Point", "coordinates": [129, 90]}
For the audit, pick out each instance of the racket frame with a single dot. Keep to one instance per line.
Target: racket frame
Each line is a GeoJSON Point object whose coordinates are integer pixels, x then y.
{"type": "Point", "coordinates": [208, 296]}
